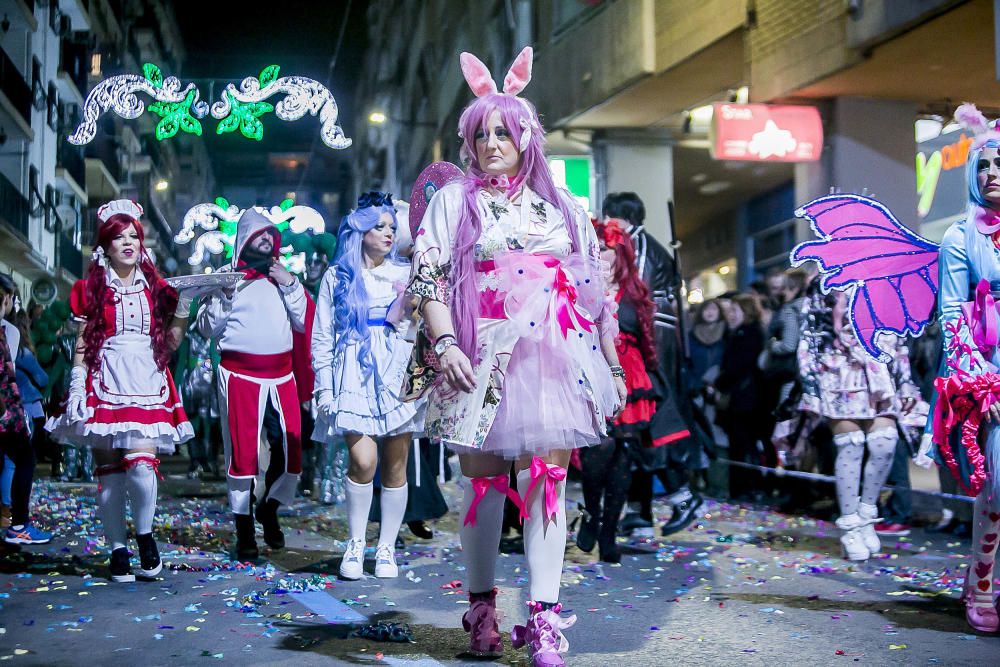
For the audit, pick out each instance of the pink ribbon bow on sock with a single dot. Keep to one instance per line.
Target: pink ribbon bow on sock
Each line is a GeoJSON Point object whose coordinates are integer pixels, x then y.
{"type": "Point", "coordinates": [552, 474]}
{"type": "Point", "coordinates": [480, 485]}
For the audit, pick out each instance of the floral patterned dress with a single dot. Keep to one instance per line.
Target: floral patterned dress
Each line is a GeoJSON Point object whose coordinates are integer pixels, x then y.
{"type": "Point", "coordinates": [542, 382]}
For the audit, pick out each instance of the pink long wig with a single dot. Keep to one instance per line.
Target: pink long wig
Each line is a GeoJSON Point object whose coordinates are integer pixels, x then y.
{"type": "Point", "coordinates": [533, 172]}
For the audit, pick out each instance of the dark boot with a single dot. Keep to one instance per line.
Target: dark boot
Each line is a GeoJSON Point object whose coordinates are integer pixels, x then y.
{"type": "Point", "coordinates": [267, 515]}
{"type": "Point", "coordinates": [607, 546]}
{"type": "Point", "coordinates": [149, 555]}
{"type": "Point", "coordinates": [246, 542]}
{"type": "Point", "coordinates": [420, 529]}
{"type": "Point", "coordinates": [586, 538]}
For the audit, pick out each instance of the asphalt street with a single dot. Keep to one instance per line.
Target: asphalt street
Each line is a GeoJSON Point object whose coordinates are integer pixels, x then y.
{"type": "Point", "coordinates": [742, 586]}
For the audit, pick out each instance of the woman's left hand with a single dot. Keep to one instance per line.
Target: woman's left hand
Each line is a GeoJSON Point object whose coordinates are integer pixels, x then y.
{"type": "Point", "coordinates": [907, 405]}
{"type": "Point", "coordinates": [622, 395]}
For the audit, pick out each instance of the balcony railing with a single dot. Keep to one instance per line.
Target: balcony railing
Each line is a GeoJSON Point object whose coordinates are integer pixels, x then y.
{"type": "Point", "coordinates": [70, 257]}
{"type": "Point", "coordinates": [14, 207]}
{"type": "Point", "coordinates": [69, 158]}
{"type": "Point", "coordinates": [74, 60]}
{"type": "Point", "coordinates": [14, 86]}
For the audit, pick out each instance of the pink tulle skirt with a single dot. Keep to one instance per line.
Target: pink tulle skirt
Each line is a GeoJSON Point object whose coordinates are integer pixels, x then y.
{"type": "Point", "coordinates": [545, 405]}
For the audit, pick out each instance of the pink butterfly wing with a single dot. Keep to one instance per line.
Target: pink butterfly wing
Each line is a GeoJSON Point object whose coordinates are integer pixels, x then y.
{"type": "Point", "coordinates": [892, 270]}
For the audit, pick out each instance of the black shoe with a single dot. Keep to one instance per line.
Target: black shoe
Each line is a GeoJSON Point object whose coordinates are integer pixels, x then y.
{"type": "Point", "coordinates": [684, 513]}
{"type": "Point", "coordinates": [607, 547]}
{"type": "Point", "coordinates": [420, 529]}
{"type": "Point", "coordinates": [246, 541]}
{"type": "Point", "coordinates": [586, 538]}
{"type": "Point", "coordinates": [400, 543]}
{"type": "Point", "coordinates": [267, 515]}
{"type": "Point", "coordinates": [149, 556]}
{"type": "Point", "coordinates": [121, 569]}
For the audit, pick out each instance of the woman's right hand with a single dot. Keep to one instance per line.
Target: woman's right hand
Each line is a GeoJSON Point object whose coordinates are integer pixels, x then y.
{"type": "Point", "coordinates": [457, 369]}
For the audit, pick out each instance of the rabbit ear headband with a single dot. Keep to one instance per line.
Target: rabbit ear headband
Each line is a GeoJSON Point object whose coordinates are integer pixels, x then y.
{"type": "Point", "coordinates": [478, 76]}
{"type": "Point", "coordinates": [972, 119]}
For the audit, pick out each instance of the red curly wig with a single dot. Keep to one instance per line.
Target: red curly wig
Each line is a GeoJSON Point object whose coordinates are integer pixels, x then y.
{"type": "Point", "coordinates": [98, 296]}
{"type": "Point", "coordinates": [632, 289]}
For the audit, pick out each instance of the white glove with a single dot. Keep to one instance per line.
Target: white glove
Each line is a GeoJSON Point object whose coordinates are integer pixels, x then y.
{"type": "Point", "coordinates": [76, 404]}
{"type": "Point", "coordinates": [923, 458]}
{"type": "Point", "coordinates": [324, 401]}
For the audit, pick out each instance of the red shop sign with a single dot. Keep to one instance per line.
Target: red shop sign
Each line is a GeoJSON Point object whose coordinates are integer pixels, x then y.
{"type": "Point", "coordinates": [766, 133]}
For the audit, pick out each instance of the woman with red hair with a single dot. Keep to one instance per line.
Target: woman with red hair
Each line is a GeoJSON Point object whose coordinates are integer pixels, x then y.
{"type": "Point", "coordinates": [606, 467]}
{"type": "Point", "coordinates": [122, 401]}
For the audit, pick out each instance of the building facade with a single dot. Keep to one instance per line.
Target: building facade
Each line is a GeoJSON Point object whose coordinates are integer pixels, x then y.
{"type": "Point", "coordinates": [628, 83]}
{"type": "Point", "coordinates": [51, 55]}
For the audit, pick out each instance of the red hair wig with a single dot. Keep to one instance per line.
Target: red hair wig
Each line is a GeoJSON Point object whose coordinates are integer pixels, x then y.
{"type": "Point", "coordinates": [630, 285]}
{"type": "Point", "coordinates": [163, 296]}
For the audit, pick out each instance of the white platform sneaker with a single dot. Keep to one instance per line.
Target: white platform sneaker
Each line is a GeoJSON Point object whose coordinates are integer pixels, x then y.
{"type": "Point", "coordinates": [385, 562]}
{"type": "Point", "coordinates": [353, 564]}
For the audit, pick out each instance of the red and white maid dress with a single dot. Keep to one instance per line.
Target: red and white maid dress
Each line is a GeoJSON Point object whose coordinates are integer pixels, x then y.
{"type": "Point", "coordinates": [130, 402]}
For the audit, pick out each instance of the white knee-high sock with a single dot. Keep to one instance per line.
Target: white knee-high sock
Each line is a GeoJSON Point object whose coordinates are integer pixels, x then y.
{"type": "Point", "coordinates": [850, 452]}
{"type": "Point", "coordinates": [881, 450]}
{"type": "Point", "coordinates": [359, 503]}
{"type": "Point", "coordinates": [544, 539]}
{"type": "Point", "coordinates": [142, 486]}
{"type": "Point", "coordinates": [985, 537]}
{"type": "Point", "coordinates": [111, 508]}
{"type": "Point", "coordinates": [393, 509]}
{"type": "Point", "coordinates": [481, 540]}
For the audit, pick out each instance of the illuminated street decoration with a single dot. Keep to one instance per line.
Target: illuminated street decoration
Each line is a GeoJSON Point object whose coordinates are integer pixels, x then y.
{"type": "Point", "coordinates": [218, 221]}
{"type": "Point", "coordinates": [303, 95]}
{"type": "Point", "coordinates": [178, 107]}
{"type": "Point", "coordinates": [181, 110]}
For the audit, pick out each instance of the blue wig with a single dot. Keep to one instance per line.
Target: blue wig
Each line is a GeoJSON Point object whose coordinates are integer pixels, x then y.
{"type": "Point", "coordinates": [972, 174]}
{"type": "Point", "coordinates": [350, 315]}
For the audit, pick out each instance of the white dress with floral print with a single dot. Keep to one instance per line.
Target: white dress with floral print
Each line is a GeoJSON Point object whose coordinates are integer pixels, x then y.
{"type": "Point", "coordinates": [541, 377]}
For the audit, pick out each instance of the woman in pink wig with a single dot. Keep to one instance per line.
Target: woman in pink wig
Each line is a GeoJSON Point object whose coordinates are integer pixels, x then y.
{"type": "Point", "coordinates": [517, 356]}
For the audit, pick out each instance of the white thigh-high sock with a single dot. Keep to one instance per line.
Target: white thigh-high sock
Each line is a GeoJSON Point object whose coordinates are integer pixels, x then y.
{"type": "Point", "coordinates": [111, 507]}
{"type": "Point", "coordinates": [985, 537]}
{"type": "Point", "coordinates": [850, 452]}
{"type": "Point", "coordinates": [481, 537]}
{"type": "Point", "coordinates": [544, 539]}
{"type": "Point", "coordinates": [140, 477]}
{"type": "Point", "coordinates": [359, 503]}
{"type": "Point", "coordinates": [393, 509]}
{"type": "Point", "coordinates": [881, 451]}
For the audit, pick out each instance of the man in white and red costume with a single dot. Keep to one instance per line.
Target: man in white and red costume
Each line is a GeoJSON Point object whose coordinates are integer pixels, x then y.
{"type": "Point", "coordinates": [262, 331]}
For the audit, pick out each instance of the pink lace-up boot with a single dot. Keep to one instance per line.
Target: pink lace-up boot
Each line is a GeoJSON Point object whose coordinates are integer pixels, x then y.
{"type": "Point", "coordinates": [480, 621]}
{"type": "Point", "coordinates": [543, 635]}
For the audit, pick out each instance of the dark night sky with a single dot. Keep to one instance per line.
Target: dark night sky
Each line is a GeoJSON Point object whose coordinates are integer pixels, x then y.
{"type": "Point", "coordinates": [227, 44]}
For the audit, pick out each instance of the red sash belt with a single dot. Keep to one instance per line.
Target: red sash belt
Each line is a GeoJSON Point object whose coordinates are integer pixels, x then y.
{"type": "Point", "coordinates": [258, 365]}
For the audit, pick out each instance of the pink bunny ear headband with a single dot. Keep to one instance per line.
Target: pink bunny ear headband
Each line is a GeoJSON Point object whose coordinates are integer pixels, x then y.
{"type": "Point", "coordinates": [972, 119]}
{"type": "Point", "coordinates": [478, 76]}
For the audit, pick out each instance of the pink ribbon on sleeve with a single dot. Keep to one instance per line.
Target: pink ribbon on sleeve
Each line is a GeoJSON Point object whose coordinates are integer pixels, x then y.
{"type": "Point", "coordinates": [480, 485]}
{"type": "Point", "coordinates": [552, 474]}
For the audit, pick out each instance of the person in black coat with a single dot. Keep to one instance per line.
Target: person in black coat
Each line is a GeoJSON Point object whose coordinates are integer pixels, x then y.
{"type": "Point", "coordinates": [739, 388]}
{"type": "Point", "coordinates": [676, 412]}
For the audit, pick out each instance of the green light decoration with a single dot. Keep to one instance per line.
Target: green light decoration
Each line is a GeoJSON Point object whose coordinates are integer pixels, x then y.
{"type": "Point", "coordinates": [181, 109]}
{"type": "Point", "coordinates": [176, 116]}
{"type": "Point", "coordinates": [245, 116]}
{"type": "Point", "coordinates": [301, 228]}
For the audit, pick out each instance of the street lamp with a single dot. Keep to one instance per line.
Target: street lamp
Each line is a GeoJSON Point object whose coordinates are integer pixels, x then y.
{"type": "Point", "coordinates": [377, 118]}
{"type": "Point", "coordinates": [162, 185]}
